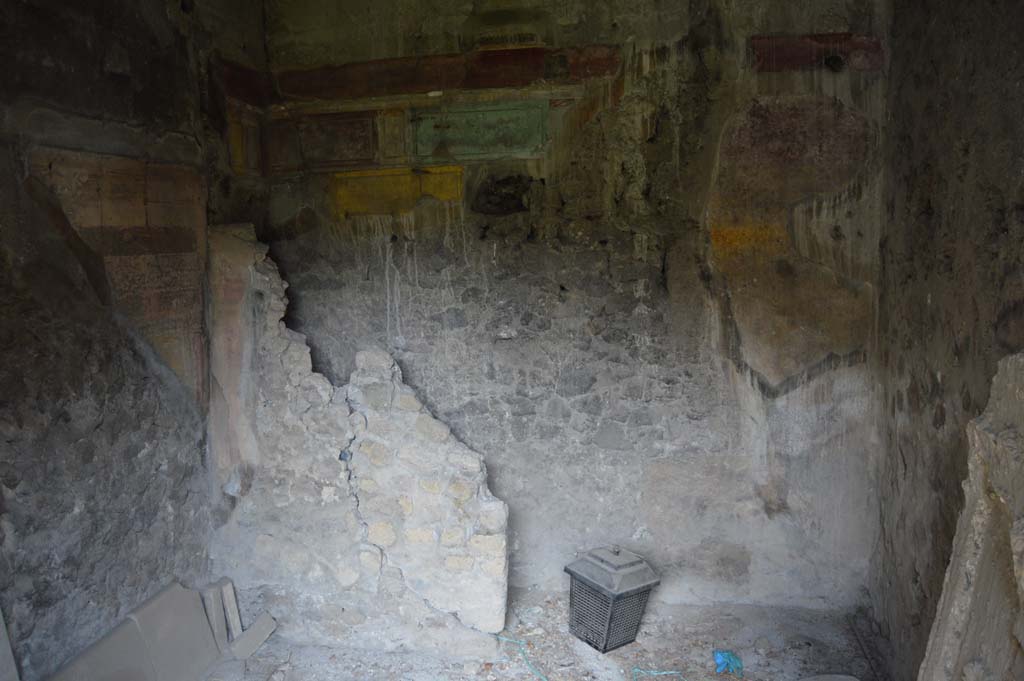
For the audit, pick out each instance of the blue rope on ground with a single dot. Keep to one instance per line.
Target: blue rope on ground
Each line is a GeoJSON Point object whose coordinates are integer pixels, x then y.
{"type": "Point", "coordinates": [637, 673]}
{"type": "Point", "coordinates": [526, 658]}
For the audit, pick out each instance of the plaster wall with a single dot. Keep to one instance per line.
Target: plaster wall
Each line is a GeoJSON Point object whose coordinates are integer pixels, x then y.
{"type": "Point", "coordinates": [583, 335]}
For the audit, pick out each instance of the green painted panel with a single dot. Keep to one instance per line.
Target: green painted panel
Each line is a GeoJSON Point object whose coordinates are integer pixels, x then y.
{"type": "Point", "coordinates": [496, 130]}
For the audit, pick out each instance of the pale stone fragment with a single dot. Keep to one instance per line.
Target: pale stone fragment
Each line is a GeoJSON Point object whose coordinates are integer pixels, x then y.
{"type": "Point", "coordinates": [382, 534]}
{"type": "Point", "coordinates": [452, 536]}
{"type": "Point", "coordinates": [432, 486]}
{"type": "Point", "coordinates": [377, 452]}
{"type": "Point", "coordinates": [488, 544]}
{"type": "Point", "coordinates": [432, 429]}
{"type": "Point", "coordinates": [460, 490]}
{"type": "Point", "coordinates": [420, 535]}
{"type": "Point", "coordinates": [459, 563]}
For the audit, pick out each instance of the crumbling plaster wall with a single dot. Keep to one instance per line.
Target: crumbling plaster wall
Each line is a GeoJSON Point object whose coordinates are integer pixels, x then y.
{"type": "Point", "coordinates": [103, 489]}
{"type": "Point", "coordinates": [584, 340]}
{"type": "Point", "coordinates": [952, 296]}
{"type": "Point", "coordinates": [351, 514]}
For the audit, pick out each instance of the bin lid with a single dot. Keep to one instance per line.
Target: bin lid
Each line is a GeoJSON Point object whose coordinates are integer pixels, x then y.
{"type": "Point", "coordinates": [614, 571]}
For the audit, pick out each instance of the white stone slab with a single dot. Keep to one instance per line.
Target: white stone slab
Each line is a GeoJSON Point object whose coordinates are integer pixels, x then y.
{"type": "Point", "coordinates": [121, 655]}
{"type": "Point", "coordinates": [174, 625]}
{"type": "Point", "coordinates": [253, 637]}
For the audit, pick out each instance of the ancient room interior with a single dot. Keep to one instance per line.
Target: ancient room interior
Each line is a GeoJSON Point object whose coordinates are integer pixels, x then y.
{"type": "Point", "coordinates": [511, 339]}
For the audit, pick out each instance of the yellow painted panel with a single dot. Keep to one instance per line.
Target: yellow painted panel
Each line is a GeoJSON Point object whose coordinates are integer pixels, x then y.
{"type": "Point", "coordinates": [444, 183]}
{"type": "Point", "coordinates": [236, 145]}
{"type": "Point", "coordinates": [766, 239]}
{"type": "Point", "coordinates": [394, 190]}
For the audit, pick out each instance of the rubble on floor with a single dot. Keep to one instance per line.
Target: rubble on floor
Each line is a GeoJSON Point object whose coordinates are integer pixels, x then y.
{"type": "Point", "coordinates": [776, 644]}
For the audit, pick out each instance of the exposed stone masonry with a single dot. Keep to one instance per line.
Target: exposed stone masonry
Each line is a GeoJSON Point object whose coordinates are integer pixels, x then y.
{"type": "Point", "coordinates": [358, 519]}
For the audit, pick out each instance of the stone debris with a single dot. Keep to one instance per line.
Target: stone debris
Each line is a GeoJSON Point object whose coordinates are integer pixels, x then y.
{"type": "Point", "coordinates": [252, 638]}
{"type": "Point", "coordinates": [794, 644]}
{"type": "Point", "coordinates": [167, 638]}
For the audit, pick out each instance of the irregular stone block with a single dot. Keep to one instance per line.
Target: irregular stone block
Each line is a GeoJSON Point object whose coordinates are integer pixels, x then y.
{"type": "Point", "coordinates": [378, 453]}
{"type": "Point", "coordinates": [374, 360]}
{"type": "Point", "coordinates": [253, 637]}
{"type": "Point", "coordinates": [408, 402]}
{"type": "Point", "coordinates": [431, 486]}
{"type": "Point", "coordinates": [459, 490]}
{"type": "Point", "coordinates": [432, 429]}
{"type": "Point", "coordinates": [497, 568]}
{"type": "Point", "coordinates": [452, 536]}
{"type": "Point", "coordinates": [121, 655]}
{"type": "Point", "coordinates": [382, 534]}
{"type": "Point", "coordinates": [420, 535]}
{"type": "Point", "coordinates": [488, 544]}
{"type": "Point", "coordinates": [459, 563]}
{"type": "Point", "coordinates": [177, 633]}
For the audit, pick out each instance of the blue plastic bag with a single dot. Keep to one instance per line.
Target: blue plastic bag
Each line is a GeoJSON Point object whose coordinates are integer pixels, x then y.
{"type": "Point", "coordinates": [728, 661]}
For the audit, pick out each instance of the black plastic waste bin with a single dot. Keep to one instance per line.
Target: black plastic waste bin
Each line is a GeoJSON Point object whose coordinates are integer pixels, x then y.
{"type": "Point", "coordinates": [607, 596]}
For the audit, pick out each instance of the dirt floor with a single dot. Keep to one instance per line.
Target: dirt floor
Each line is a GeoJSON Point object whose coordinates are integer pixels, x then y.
{"type": "Point", "coordinates": [775, 644]}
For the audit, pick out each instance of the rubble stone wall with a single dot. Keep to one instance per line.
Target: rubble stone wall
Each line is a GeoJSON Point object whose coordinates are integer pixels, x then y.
{"type": "Point", "coordinates": [351, 514]}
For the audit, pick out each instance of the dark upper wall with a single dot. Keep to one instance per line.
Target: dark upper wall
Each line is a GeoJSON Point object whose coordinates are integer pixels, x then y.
{"type": "Point", "coordinates": [309, 33]}
{"type": "Point", "coordinates": [120, 74]}
{"type": "Point", "coordinates": [952, 296]}
{"type": "Point", "coordinates": [316, 32]}
{"type": "Point", "coordinates": [235, 28]}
